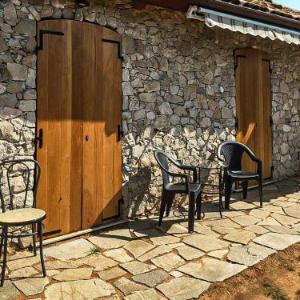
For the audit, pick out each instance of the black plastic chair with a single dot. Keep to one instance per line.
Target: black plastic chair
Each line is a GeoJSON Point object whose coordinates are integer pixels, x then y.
{"type": "Point", "coordinates": [230, 155]}
{"type": "Point", "coordinates": [170, 188]}
{"type": "Point", "coordinates": [24, 214]}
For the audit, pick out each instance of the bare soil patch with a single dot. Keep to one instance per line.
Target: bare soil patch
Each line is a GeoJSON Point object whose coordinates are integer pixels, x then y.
{"type": "Point", "coordinates": [277, 277]}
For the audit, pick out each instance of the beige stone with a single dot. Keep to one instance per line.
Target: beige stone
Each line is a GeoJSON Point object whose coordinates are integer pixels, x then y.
{"type": "Point", "coordinates": [152, 278]}
{"type": "Point", "coordinates": [277, 241]}
{"type": "Point", "coordinates": [205, 243]}
{"type": "Point", "coordinates": [168, 261]}
{"type": "Point", "coordinates": [211, 269]}
{"type": "Point", "coordinates": [127, 286]}
{"type": "Point", "coordinates": [256, 229]}
{"type": "Point", "coordinates": [189, 253]}
{"type": "Point", "coordinates": [144, 295]}
{"type": "Point", "coordinates": [74, 274]}
{"type": "Point", "coordinates": [218, 253]}
{"type": "Point", "coordinates": [23, 272]}
{"type": "Point", "coordinates": [79, 290]}
{"type": "Point", "coordinates": [31, 286]}
{"type": "Point", "coordinates": [246, 220]}
{"type": "Point", "coordinates": [137, 267]}
{"type": "Point", "coordinates": [164, 240]}
{"type": "Point", "coordinates": [293, 211]}
{"type": "Point", "coordinates": [111, 273]}
{"type": "Point", "coordinates": [240, 236]}
{"type": "Point", "coordinates": [119, 255]}
{"type": "Point", "coordinates": [160, 250]}
{"type": "Point", "coordinates": [138, 248]}
{"type": "Point", "coordinates": [98, 262]}
{"type": "Point", "coordinates": [259, 213]}
{"type": "Point", "coordinates": [183, 288]}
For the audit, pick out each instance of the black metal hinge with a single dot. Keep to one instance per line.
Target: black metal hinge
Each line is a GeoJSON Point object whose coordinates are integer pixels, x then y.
{"type": "Point", "coordinates": [271, 121]}
{"type": "Point", "coordinates": [41, 35]}
{"type": "Point", "coordinates": [119, 46]}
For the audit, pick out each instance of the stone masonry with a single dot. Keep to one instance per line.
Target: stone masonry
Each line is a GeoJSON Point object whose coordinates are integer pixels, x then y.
{"type": "Point", "coordinates": [178, 89]}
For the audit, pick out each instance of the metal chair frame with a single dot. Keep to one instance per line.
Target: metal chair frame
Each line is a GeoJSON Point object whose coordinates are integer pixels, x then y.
{"type": "Point", "coordinates": [9, 165]}
{"type": "Point", "coordinates": [192, 189]}
{"type": "Point", "coordinates": [230, 158]}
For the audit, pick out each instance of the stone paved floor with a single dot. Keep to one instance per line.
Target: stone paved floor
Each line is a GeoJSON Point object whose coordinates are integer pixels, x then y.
{"type": "Point", "coordinates": [143, 261]}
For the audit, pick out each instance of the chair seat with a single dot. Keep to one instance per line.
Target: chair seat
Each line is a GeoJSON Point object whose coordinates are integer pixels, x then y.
{"type": "Point", "coordinates": [243, 175]}
{"type": "Point", "coordinates": [21, 216]}
{"type": "Point", "coordinates": [179, 187]}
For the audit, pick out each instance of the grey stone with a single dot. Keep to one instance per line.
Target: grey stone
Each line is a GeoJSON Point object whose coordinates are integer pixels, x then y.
{"type": "Point", "coordinates": [165, 109]}
{"type": "Point", "coordinates": [183, 288]}
{"type": "Point", "coordinates": [10, 14]}
{"type": "Point", "coordinates": [17, 71]}
{"type": "Point", "coordinates": [152, 278]}
{"type": "Point", "coordinates": [82, 289]}
{"type": "Point", "coordinates": [148, 97]}
{"type": "Point", "coordinates": [26, 27]}
{"type": "Point", "coordinates": [71, 250]}
{"type": "Point", "coordinates": [7, 132]}
{"type": "Point", "coordinates": [211, 269]}
{"type": "Point", "coordinates": [277, 241]}
{"type": "Point", "coordinates": [3, 46]}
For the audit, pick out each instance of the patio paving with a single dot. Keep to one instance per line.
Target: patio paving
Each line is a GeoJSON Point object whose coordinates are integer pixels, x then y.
{"type": "Point", "coordinates": [144, 261]}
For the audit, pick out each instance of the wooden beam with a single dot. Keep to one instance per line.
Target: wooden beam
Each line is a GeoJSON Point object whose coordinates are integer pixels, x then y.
{"type": "Point", "coordinates": [249, 13]}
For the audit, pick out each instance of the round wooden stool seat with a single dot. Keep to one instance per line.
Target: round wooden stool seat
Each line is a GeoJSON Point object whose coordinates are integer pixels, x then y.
{"type": "Point", "coordinates": [22, 216]}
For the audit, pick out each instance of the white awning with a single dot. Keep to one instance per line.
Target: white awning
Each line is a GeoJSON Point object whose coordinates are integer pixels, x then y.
{"type": "Point", "coordinates": [246, 26]}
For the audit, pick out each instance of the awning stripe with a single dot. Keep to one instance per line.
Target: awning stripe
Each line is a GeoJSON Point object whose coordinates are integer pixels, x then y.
{"type": "Point", "coordinates": [246, 26]}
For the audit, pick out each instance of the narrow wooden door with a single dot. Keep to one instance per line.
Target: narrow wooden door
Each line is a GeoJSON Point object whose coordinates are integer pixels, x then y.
{"type": "Point", "coordinates": [79, 113]}
{"type": "Point", "coordinates": [253, 104]}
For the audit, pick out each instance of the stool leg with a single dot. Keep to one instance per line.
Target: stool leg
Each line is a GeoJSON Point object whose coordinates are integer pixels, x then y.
{"type": "Point", "coordinates": [5, 229]}
{"type": "Point", "coordinates": [199, 206]}
{"type": "Point", "coordinates": [40, 232]}
{"type": "Point", "coordinates": [245, 189]}
{"type": "Point", "coordinates": [33, 227]}
{"type": "Point", "coordinates": [1, 242]}
{"type": "Point", "coordinates": [191, 211]}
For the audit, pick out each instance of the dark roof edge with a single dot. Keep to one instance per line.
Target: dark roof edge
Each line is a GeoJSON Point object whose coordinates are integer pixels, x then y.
{"type": "Point", "coordinates": [249, 13]}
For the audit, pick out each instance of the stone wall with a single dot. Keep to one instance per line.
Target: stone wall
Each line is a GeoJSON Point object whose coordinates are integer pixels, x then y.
{"type": "Point", "coordinates": [178, 87]}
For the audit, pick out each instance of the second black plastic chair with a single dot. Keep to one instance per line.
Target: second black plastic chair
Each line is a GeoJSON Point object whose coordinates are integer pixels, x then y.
{"type": "Point", "coordinates": [190, 187]}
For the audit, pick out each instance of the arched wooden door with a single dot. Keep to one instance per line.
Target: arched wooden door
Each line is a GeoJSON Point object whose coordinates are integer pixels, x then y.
{"type": "Point", "coordinates": [254, 105]}
{"type": "Point", "coordinates": [78, 124]}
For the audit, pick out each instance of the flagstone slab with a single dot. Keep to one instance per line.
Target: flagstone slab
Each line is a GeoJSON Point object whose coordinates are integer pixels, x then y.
{"type": "Point", "coordinates": [74, 274]}
{"type": "Point", "coordinates": [242, 205]}
{"type": "Point", "coordinates": [164, 240]}
{"type": "Point", "coordinates": [23, 272]}
{"type": "Point", "coordinates": [232, 213]}
{"type": "Point", "coordinates": [211, 269]}
{"type": "Point", "coordinates": [285, 220]}
{"type": "Point", "coordinates": [127, 286]}
{"type": "Point", "coordinates": [205, 243]}
{"type": "Point", "coordinates": [160, 250]}
{"type": "Point", "coordinates": [259, 213]}
{"type": "Point", "coordinates": [223, 230]}
{"type": "Point", "coordinates": [98, 261]}
{"type": "Point", "coordinates": [273, 209]}
{"type": "Point", "coordinates": [189, 253]}
{"type": "Point", "coordinates": [112, 273]}
{"type": "Point", "coordinates": [249, 255]}
{"type": "Point", "coordinates": [168, 261]}
{"type": "Point", "coordinates": [293, 211]}
{"type": "Point", "coordinates": [136, 267]}
{"type": "Point", "coordinates": [107, 242]}
{"type": "Point", "coordinates": [119, 255]}
{"type": "Point", "coordinates": [174, 229]}
{"type": "Point", "coordinates": [176, 274]}
{"type": "Point", "coordinates": [205, 230]}
{"type": "Point", "coordinates": [23, 262]}
{"type": "Point", "coordinates": [9, 291]}
{"type": "Point", "coordinates": [256, 229]}
{"type": "Point", "coordinates": [283, 203]}
{"type": "Point", "coordinates": [240, 236]}
{"type": "Point", "coordinates": [282, 229]}
{"type": "Point", "coordinates": [79, 290]}
{"type": "Point", "coordinates": [58, 264]}
{"type": "Point", "coordinates": [183, 288]}
{"type": "Point", "coordinates": [71, 250]}
{"type": "Point", "coordinates": [246, 220]}
{"type": "Point", "coordinates": [138, 248]}
{"type": "Point", "coordinates": [269, 221]}
{"type": "Point", "coordinates": [144, 295]}
{"type": "Point", "coordinates": [152, 278]}
{"type": "Point", "coordinates": [277, 241]}
{"type": "Point", "coordinates": [218, 253]}
{"type": "Point", "coordinates": [221, 223]}
{"type": "Point", "coordinates": [31, 286]}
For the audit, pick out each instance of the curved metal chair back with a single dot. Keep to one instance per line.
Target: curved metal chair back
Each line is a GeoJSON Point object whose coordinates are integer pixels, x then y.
{"type": "Point", "coordinates": [232, 152]}
{"type": "Point", "coordinates": [29, 170]}
{"type": "Point", "coordinates": [163, 161]}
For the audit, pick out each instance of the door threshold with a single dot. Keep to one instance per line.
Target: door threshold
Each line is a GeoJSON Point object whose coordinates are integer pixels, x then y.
{"type": "Point", "coordinates": [82, 232]}
{"type": "Point", "coordinates": [269, 182]}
